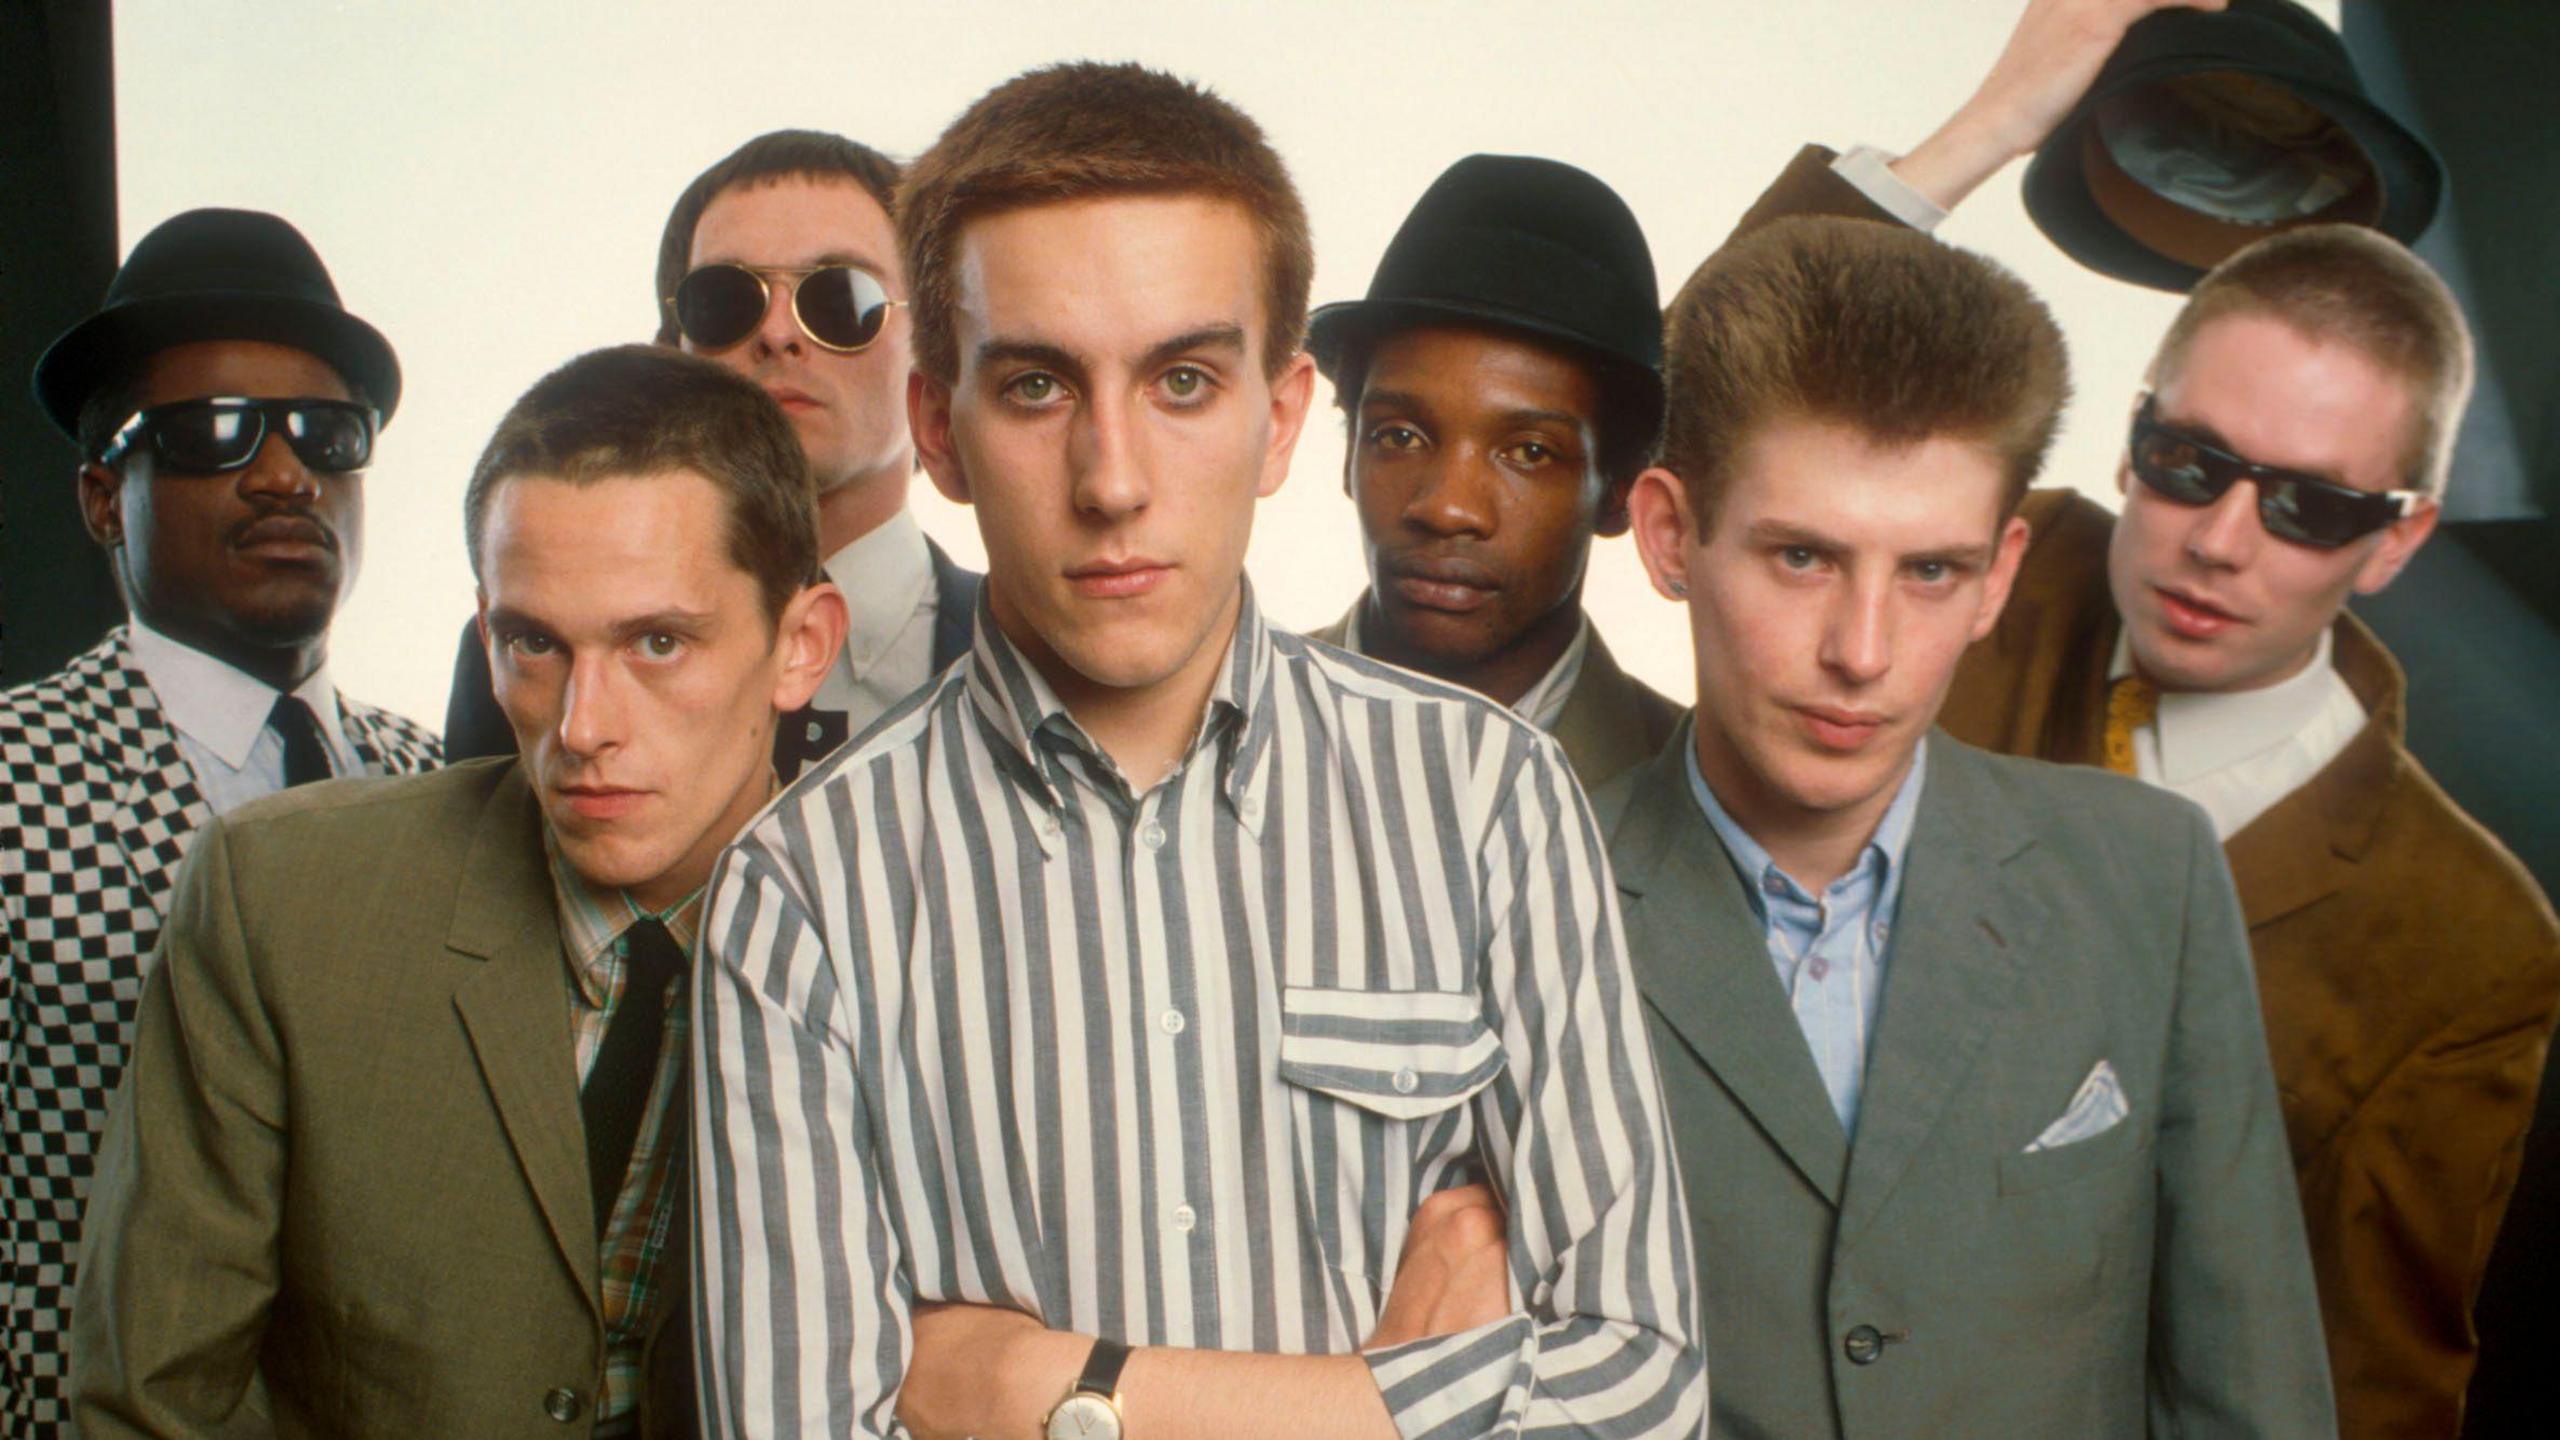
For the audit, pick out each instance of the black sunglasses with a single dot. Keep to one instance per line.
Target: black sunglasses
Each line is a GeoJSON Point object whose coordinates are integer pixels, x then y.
{"type": "Point", "coordinates": [223, 432]}
{"type": "Point", "coordinates": [2304, 509]}
{"type": "Point", "coordinates": [840, 307]}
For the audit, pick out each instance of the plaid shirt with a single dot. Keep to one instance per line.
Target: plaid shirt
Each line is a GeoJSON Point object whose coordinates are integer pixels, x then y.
{"type": "Point", "coordinates": [591, 930]}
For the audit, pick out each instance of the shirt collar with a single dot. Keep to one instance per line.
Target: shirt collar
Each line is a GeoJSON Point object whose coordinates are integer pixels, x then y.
{"type": "Point", "coordinates": [1542, 704]}
{"type": "Point", "coordinates": [2201, 732]}
{"type": "Point", "coordinates": [1884, 850]}
{"type": "Point", "coordinates": [593, 919]}
{"type": "Point", "coordinates": [1022, 711]}
{"type": "Point", "coordinates": [220, 707]}
{"type": "Point", "coordinates": [885, 576]}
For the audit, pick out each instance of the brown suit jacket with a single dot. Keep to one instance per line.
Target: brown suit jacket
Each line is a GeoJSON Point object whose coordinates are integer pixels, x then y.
{"type": "Point", "coordinates": [348, 1161]}
{"type": "Point", "coordinates": [1611, 722]}
{"type": "Point", "coordinates": [2408, 967]}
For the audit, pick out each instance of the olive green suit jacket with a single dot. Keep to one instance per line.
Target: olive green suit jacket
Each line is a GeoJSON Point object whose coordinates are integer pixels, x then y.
{"type": "Point", "coordinates": [1936, 1276]}
{"type": "Point", "coordinates": [348, 1164]}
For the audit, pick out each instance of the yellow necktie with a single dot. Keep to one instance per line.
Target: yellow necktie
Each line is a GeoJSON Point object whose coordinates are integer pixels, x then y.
{"type": "Point", "coordinates": [2132, 703]}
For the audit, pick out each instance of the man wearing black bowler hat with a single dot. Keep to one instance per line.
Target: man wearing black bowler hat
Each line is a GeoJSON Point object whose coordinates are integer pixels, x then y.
{"type": "Point", "coordinates": [225, 405]}
{"type": "Point", "coordinates": [1502, 385]}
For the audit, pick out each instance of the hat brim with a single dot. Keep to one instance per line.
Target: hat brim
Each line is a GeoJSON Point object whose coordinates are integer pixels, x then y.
{"type": "Point", "coordinates": [1333, 328]}
{"type": "Point", "coordinates": [2059, 200]}
{"type": "Point", "coordinates": [93, 351]}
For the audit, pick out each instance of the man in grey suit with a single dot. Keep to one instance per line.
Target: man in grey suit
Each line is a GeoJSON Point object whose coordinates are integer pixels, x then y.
{"type": "Point", "coordinates": [1962, 1054]}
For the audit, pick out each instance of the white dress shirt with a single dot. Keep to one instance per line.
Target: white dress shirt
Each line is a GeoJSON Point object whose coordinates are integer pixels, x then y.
{"type": "Point", "coordinates": [887, 580]}
{"type": "Point", "coordinates": [1542, 704]}
{"type": "Point", "coordinates": [220, 715]}
{"type": "Point", "coordinates": [2238, 753]}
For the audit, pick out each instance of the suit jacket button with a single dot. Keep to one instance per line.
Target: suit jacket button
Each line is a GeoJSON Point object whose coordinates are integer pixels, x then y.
{"type": "Point", "coordinates": [1864, 1345]}
{"type": "Point", "coordinates": [561, 1405]}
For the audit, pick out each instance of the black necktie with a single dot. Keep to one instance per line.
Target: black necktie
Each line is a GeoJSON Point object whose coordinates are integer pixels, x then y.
{"type": "Point", "coordinates": [305, 758]}
{"type": "Point", "coordinates": [626, 1064]}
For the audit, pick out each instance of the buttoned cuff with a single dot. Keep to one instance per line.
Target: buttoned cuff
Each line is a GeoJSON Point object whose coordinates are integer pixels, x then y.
{"type": "Point", "coordinates": [1871, 170]}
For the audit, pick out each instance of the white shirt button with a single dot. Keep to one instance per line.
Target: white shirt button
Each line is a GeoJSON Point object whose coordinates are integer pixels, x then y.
{"type": "Point", "coordinates": [1184, 1217]}
{"type": "Point", "coordinates": [1151, 835]}
{"type": "Point", "coordinates": [1406, 1081]}
{"type": "Point", "coordinates": [1173, 1022]}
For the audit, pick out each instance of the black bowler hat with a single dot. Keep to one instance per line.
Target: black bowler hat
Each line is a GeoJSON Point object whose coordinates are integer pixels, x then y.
{"type": "Point", "coordinates": [215, 275]}
{"type": "Point", "coordinates": [2204, 132]}
{"type": "Point", "coordinates": [1521, 244]}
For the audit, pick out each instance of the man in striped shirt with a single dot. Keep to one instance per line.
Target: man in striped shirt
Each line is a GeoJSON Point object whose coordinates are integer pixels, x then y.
{"type": "Point", "coordinates": [1135, 983]}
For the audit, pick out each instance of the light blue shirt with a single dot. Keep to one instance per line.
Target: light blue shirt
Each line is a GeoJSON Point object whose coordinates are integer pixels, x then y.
{"type": "Point", "coordinates": [1831, 949]}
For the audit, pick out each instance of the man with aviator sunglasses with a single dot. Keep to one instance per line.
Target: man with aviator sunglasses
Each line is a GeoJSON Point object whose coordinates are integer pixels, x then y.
{"type": "Point", "coordinates": [2292, 453]}
{"type": "Point", "coordinates": [779, 263]}
{"type": "Point", "coordinates": [225, 404]}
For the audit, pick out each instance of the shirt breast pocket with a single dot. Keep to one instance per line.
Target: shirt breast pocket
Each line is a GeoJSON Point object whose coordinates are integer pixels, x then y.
{"type": "Point", "coordinates": [1378, 1083]}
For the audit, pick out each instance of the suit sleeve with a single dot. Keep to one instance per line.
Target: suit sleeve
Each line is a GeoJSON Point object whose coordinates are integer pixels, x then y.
{"type": "Point", "coordinates": [1578, 1142]}
{"type": "Point", "coordinates": [2236, 1348]}
{"type": "Point", "coordinates": [2406, 1204]}
{"type": "Point", "coordinates": [1809, 186]}
{"type": "Point", "coordinates": [178, 1257]}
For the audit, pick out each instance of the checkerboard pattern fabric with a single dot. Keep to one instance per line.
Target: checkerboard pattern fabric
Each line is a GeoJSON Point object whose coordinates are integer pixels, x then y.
{"type": "Point", "coordinates": [96, 808]}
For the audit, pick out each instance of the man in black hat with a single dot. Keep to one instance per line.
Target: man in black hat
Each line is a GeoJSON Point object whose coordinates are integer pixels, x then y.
{"type": "Point", "coordinates": [1502, 386]}
{"type": "Point", "coordinates": [225, 405]}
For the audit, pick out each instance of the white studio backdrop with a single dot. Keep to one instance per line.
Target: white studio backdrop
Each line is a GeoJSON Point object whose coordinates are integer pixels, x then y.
{"type": "Point", "coordinates": [487, 184]}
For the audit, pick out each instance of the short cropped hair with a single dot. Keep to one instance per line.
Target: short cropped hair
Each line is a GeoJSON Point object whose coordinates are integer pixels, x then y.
{"type": "Point", "coordinates": [1626, 427]}
{"type": "Point", "coordinates": [775, 155]}
{"type": "Point", "coordinates": [1085, 131]}
{"type": "Point", "coordinates": [2348, 285]}
{"type": "Point", "coordinates": [1868, 326]}
{"type": "Point", "coordinates": [641, 410]}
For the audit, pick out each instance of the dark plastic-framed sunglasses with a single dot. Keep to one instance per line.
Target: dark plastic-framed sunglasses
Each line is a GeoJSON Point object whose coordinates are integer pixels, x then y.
{"type": "Point", "coordinates": [223, 432]}
{"type": "Point", "coordinates": [2304, 509]}
{"type": "Point", "coordinates": [839, 307]}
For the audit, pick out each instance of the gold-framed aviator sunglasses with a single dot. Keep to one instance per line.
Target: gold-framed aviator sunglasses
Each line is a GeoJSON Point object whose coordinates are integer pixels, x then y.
{"type": "Point", "coordinates": [839, 307]}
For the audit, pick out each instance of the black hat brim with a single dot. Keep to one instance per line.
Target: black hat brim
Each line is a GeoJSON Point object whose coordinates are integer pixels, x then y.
{"type": "Point", "coordinates": [1333, 328]}
{"type": "Point", "coordinates": [111, 341]}
{"type": "Point", "coordinates": [2058, 198]}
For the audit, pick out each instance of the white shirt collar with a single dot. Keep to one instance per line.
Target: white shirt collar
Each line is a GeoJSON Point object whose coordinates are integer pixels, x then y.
{"type": "Point", "coordinates": [884, 576]}
{"type": "Point", "coordinates": [222, 708]}
{"type": "Point", "coordinates": [2203, 732]}
{"type": "Point", "coordinates": [1542, 704]}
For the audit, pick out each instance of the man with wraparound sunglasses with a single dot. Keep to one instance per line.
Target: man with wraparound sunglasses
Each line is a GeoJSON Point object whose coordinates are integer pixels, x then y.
{"type": "Point", "coordinates": [225, 405]}
{"type": "Point", "coordinates": [779, 263]}
{"type": "Point", "coordinates": [2292, 452]}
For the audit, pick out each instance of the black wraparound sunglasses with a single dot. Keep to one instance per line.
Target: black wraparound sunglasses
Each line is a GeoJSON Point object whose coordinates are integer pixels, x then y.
{"type": "Point", "coordinates": [2304, 509]}
{"type": "Point", "coordinates": [840, 307]}
{"type": "Point", "coordinates": [223, 432]}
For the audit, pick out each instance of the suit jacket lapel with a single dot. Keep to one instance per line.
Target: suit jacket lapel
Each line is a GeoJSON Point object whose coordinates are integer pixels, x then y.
{"type": "Point", "coordinates": [1702, 961]}
{"type": "Point", "coordinates": [515, 1007]}
{"type": "Point", "coordinates": [1955, 943]}
{"type": "Point", "coordinates": [2305, 847]}
{"type": "Point", "coordinates": [158, 804]}
{"type": "Point", "coordinates": [955, 608]}
{"type": "Point", "coordinates": [1602, 727]}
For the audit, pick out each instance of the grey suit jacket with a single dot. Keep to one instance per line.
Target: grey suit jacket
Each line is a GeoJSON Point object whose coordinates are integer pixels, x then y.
{"type": "Point", "coordinates": [348, 1160]}
{"type": "Point", "coordinates": [1936, 1277]}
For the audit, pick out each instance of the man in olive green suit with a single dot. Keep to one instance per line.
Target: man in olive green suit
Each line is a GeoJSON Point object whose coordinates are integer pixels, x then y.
{"type": "Point", "coordinates": [401, 1148]}
{"type": "Point", "coordinates": [1961, 1052]}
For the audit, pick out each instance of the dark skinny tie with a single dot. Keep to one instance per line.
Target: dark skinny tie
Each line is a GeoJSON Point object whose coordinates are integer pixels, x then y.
{"type": "Point", "coordinates": [626, 1064]}
{"type": "Point", "coordinates": [305, 758]}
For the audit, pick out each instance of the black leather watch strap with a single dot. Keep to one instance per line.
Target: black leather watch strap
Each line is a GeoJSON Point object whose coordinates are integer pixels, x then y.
{"type": "Point", "coordinates": [1102, 1369]}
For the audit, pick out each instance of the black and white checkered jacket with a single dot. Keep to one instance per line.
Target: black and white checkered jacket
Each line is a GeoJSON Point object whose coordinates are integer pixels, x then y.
{"type": "Point", "coordinates": [96, 808]}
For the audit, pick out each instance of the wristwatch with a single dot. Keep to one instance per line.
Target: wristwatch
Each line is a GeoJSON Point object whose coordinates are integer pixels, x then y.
{"type": "Point", "coordinates": [1091, 1410]}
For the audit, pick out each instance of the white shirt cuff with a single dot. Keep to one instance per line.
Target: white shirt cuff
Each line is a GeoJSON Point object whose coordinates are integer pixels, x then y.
{"type": "Point", "coordinates": [1871, 170]}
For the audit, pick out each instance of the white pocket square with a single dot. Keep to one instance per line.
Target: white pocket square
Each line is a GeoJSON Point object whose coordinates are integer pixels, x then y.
{"type": "Point", "coordinates": [2097, 1108]}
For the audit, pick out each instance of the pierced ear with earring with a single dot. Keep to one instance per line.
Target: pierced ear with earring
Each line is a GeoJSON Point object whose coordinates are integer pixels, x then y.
{"type": "Point", "coordinates": [1680, 589]}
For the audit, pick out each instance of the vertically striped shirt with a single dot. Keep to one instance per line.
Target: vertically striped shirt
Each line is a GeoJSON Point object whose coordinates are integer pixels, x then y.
{"type": "Point", "coordinates": [979, 1022]}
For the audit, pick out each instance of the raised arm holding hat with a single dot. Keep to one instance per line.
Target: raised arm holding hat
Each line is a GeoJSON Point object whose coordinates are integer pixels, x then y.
{"type": "Point", "coordinates": [225, 404]}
